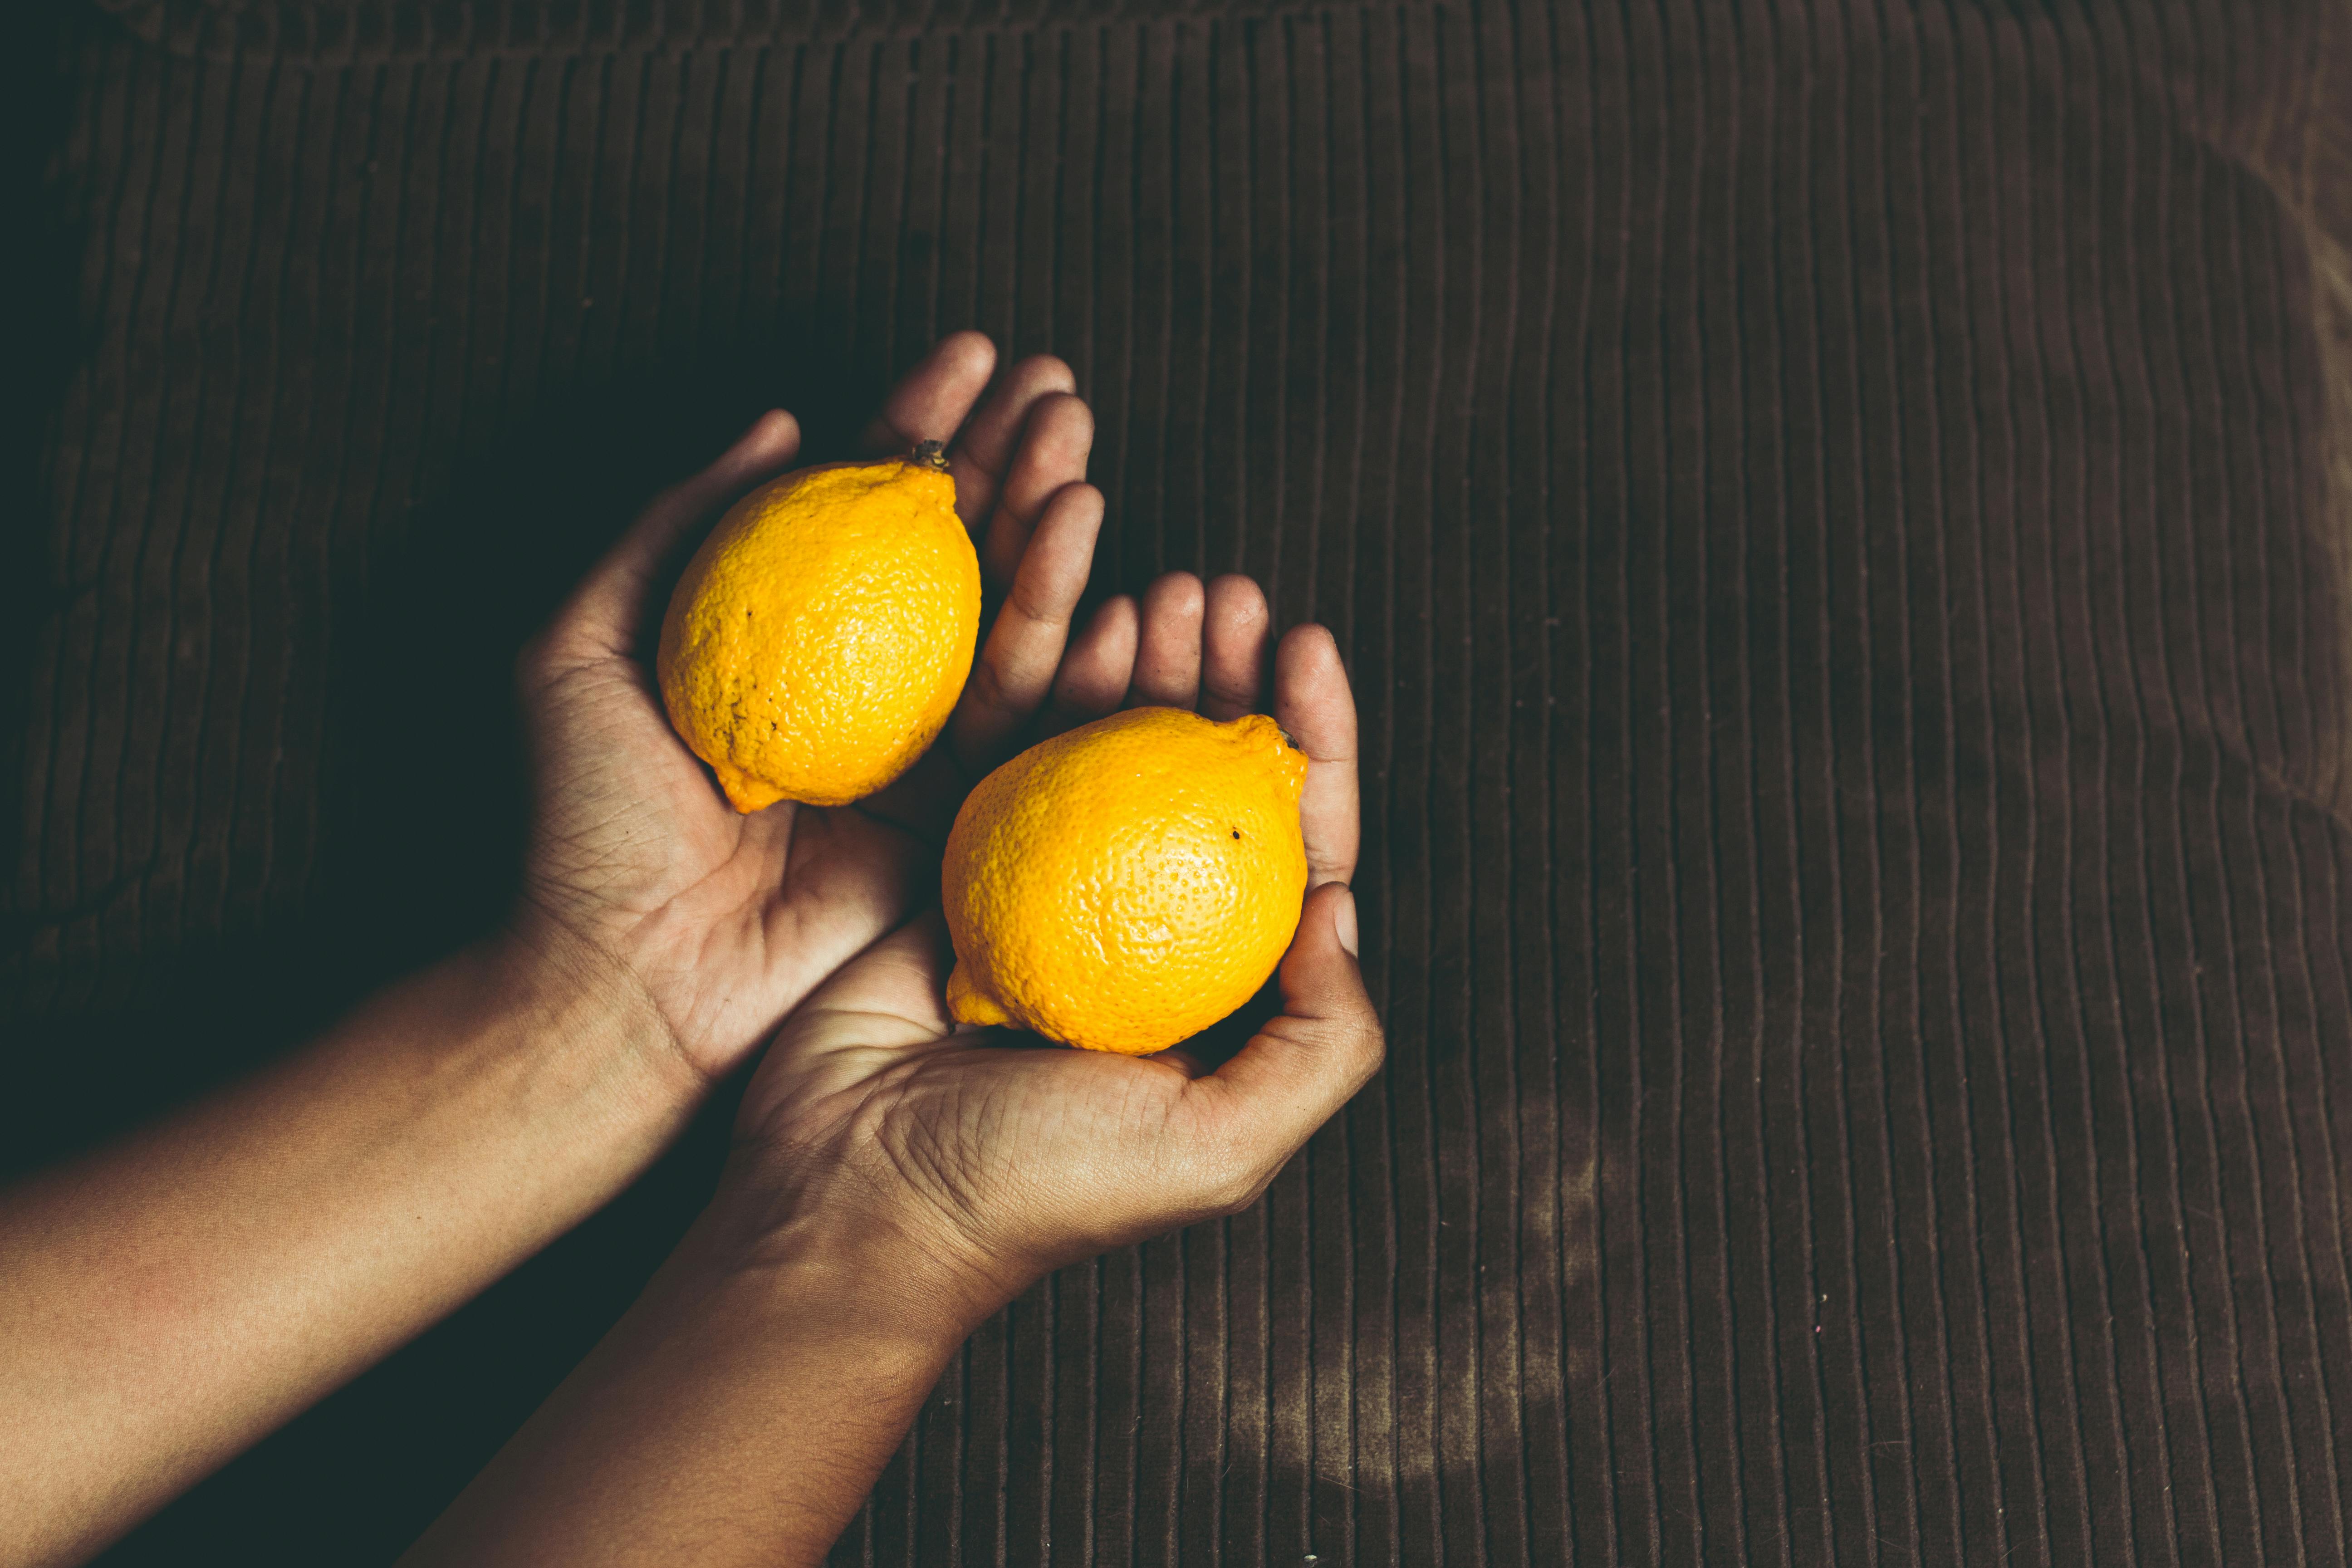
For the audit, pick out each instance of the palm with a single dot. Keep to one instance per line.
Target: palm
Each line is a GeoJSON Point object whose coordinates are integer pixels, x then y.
{"type": "Point", "coordinates": [873, 1073]}
{"type": "Point", "coordinates": [729, 920]}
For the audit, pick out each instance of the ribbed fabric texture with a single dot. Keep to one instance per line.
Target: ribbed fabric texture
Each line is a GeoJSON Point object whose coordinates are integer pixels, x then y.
{"type": "Point", "coordinates": [1828, 509]}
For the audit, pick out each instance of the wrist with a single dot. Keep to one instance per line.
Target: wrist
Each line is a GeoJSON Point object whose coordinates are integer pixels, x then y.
{"type": "Point", "coordinates": [892, 1276]}
{"type": "Point", "coordinates": [567, 994]}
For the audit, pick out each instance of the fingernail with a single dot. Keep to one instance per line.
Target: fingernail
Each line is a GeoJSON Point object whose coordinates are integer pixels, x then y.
{"type": "Point", "coordinates": [1343, 920]}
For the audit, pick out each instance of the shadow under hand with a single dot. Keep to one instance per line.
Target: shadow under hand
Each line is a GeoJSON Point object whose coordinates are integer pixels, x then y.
{"type": "Point", "coordinates": [1222, 1041]}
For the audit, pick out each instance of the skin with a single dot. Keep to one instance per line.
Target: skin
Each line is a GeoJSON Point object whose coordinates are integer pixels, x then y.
{"type": "Point", "coordinates": [172, 1299]}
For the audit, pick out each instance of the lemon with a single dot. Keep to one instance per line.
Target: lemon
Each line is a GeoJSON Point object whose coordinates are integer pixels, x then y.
{"type": "Point", "coordinates": [1124, 885]}
{"type": "Point", "coordinates": [822, 635]}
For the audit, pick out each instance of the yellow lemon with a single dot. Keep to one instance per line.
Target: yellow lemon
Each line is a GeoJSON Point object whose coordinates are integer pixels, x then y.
{"type": "Point", "coordinates": [1126, 884]}
{"type": "Point", "coordinates": [823, 633]}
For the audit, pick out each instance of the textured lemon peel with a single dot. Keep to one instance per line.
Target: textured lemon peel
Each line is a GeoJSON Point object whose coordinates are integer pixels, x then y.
{"type": "Point", "coordinates": [821, 635]}
{"type": "Point", "coordinates": [1094, 890]}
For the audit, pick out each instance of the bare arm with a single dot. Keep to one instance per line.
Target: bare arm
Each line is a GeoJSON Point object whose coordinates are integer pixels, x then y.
{"type": "Point", "coordinates": [738, 1413]}
{"type": "Point", "coordinates": [172, 1299]}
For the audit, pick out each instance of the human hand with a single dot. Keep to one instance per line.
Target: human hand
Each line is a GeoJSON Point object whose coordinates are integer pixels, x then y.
{"type": "Point", "coordinates": [976, 1164]}
{"type": "Point", "coordinates": [640, 868]}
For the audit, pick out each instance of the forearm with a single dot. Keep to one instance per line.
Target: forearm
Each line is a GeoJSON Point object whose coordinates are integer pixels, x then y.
{"type": "Point", "coordinates": [171, 1298]}
{"type": "Point", "coordinates": [735, 1415]}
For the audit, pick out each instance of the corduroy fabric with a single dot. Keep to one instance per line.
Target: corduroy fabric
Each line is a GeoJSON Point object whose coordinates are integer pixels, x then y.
{"type": "Point", "coordinates": [1835, 512]}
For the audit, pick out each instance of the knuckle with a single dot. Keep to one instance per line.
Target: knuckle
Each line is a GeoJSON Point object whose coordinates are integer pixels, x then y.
{"type": "Point", "coordinates": [1225, 688]}
{"type": "Point", "coordinates": [1036, 611]}
{"type": "Point", "coordinates": [985, 685]}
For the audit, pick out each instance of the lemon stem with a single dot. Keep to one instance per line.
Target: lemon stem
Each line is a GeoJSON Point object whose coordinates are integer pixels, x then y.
{"type": "Point", "coordinates": [931, 455]}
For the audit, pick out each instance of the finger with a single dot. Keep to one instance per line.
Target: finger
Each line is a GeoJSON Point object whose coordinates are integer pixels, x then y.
{"type": "Point", "coordinates": [932, 401]}
{"type": "Point", "coordinates": [984, 450]}
{"type": "Point", "coordinates": [1096, 671]}
{"type": "Point", "coordinates": [1052, 455]}
{"type": "Point", "coordinates": [1016, 670]}
{"type": "Point", "coordinates": [1316, 708]}
{"type": "Point", "coordinates": [606, 611]}
{"type": "Point", "coordinates": [1232, 646]}
{"type": "Point", "coordinates": [1168, 659]}
{"type": "Point", "coordinates": [1305, 1065]}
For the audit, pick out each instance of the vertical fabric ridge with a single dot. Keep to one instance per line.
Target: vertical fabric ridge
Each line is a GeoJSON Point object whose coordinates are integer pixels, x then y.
{"type": "Point", "coordinates": [73, 473]}
{"type": "Point", "coordinates": [1880, 1294]}
{"type": "Point", "coordinates": [1526, 784]}
{"type": "Point", "coordinates": [1983, 1465]}
{"type": "Point", "coordinates": [146, 717]}
{"type": "Point", "coordinates": [2132, 389]}
{"type": "Point", "coordinates": [1546, 1518]}
{"type": "Point", "coordinates": [2019, 1487]}
{"type": "Point", "coordinates": [1770, 609]}
{"type": "Point", "coordinates": [95, 863]}
{"type": "Point", "coordinates": [1932, 1474]}
{"type": "Point", "coordinates": [2106, 1452]}
{"type": "Point", "coordinates": [292, 684]}
{"type": "Point", "coordinates": [251, 747]}
{"type": "Point", "coordinates": [1849, 855]}
{"type": "Point", "coordinates": [1811, 1508]}
{"type": "Point", "coordinates": [69, 751]}
{"type": "Point", "coordinates": [1592, 1481]}
{"type": "Point", "coordinates": [1666, 1259]}
{"type": "Point", "coordinates": [2209, 1514]}
{"type": "Point", "coordinates": [2060, 1471]}
{"type": "Point", "coordinates": [1718, 358]}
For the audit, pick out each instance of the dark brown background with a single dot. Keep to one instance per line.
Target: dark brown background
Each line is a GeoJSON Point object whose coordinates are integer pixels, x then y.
{"type": "Point", "coordinates": [1829, 509]}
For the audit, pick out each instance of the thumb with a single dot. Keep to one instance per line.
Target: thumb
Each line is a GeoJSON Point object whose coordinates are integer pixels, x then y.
{"type": "Point", "coordinates": [1306, 1064]}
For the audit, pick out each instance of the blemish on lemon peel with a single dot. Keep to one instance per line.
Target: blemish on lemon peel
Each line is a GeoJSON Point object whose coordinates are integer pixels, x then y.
{"type": "Point", "coordinates": [821, 635]}
{"type": "Point", "coordinates": [1122, 887]}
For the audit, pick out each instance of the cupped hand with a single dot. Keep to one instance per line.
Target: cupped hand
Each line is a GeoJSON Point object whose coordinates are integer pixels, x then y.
{"type": "Point", "coordinates": [637, 861]}
{"type": "Point", "coordinates": [988, 1159]}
